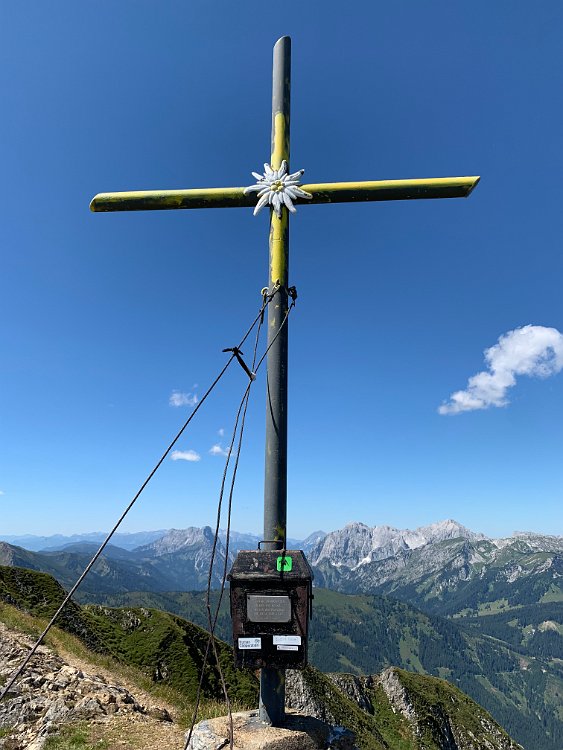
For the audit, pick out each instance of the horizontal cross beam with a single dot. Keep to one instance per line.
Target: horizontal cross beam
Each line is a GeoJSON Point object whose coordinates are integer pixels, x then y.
{"type": "Point", "coordinates": [329, 192]}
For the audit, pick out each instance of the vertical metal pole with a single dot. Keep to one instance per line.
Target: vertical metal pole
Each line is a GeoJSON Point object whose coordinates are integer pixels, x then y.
{"type": "Point", "coordinates": [272, 681]}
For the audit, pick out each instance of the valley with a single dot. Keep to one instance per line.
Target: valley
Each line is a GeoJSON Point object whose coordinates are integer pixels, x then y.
{"type": "Point", "coordinates": [485, 614]}
{"type": "Point", "coordinates": [392, 710]}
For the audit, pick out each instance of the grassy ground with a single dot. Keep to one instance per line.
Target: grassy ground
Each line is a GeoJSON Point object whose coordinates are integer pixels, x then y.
{"type": "Point", "coordinates": [75, 738]}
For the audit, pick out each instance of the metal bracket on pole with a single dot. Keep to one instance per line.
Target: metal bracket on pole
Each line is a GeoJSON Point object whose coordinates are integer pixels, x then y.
{"type": "Point", "coordinates": [237, 353]}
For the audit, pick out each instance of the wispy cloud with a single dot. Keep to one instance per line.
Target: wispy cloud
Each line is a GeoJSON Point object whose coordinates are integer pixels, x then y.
{"type": "Point", "coordinates": [535, 351]}
{"type": "Point", "coordinates": [221, 432]}
{"type": "Point", "coordinates": [188, 455]}
{"type": "Point", "coordinates": [2, 492]}
{"type": "Point", "coordinates": [178, 398]}
{"type": "Point", "coordinates": [218, 450]}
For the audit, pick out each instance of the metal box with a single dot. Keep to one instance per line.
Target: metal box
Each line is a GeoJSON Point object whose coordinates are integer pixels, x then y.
{"type": "Point", "coordinates": [271, 594]}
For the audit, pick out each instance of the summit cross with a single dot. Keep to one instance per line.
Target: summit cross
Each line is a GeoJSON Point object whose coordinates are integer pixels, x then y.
{"type": "Point", "coordinates": [278, 189]}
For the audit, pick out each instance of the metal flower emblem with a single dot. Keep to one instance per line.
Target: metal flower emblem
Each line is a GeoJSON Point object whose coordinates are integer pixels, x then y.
{"type": "Point", "coordinates": [277, 188]}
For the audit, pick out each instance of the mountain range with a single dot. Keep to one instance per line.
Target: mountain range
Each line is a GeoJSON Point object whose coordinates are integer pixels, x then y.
{"type": "Point", "coordinates": [443, 568]}
{"type": "Point", "coordinates": [487, 614]}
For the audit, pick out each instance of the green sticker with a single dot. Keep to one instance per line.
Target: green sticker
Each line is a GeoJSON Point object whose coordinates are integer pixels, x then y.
{"type": "Point", "coordinates": [284, 564]}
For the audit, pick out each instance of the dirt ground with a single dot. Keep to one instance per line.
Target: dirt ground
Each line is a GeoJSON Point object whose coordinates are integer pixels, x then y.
{"type": "Point", "coordinates": [137, 732]}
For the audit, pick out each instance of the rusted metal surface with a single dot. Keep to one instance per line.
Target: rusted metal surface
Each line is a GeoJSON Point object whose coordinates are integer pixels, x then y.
{"type": "Point", "coordinates": [270, 608]}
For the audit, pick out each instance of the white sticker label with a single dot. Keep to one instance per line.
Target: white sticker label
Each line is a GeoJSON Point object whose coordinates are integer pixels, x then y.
{"type": "Point", "coordinates": [288, 648]}
{"type": "Point", "coordinates": [287, 640]}
{"type": "Point", "coordinates": [246, 643]}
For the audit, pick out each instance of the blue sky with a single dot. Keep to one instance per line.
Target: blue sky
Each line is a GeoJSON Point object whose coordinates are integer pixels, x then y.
{"type": "Point", "coordinates": [105, 316]}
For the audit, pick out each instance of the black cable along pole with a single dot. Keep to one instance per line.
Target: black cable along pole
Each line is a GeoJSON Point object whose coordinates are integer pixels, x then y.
{"type": "Point", "coordinates": [272, 681]}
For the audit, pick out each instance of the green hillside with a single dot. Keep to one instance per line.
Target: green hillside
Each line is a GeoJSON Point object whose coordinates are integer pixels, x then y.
{"type": "Point", "coordinates": [490, 591]}
{"type": "Point", "coordinates": [457, 576]}
{"type": "Point", "coordinates": [362, 634]}
{"type": "Point", "coordinates": [108, 575]}
{"type": "Point", "coordinates": [439, 716]}
{"type": "Point", "coordinates": [168, 650]}
{"type": "Point", "coordinates": [520, 688]}
{"type": "Point", "coordinates": [165, 647]}
{"type": "Point", "coordinates": [535, 630]}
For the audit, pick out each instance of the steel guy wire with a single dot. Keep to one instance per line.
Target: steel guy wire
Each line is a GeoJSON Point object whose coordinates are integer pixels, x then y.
{"type": "Point", "coordinates": [213, 622]}
{"type": "Point", "coordinates": [266, 301]}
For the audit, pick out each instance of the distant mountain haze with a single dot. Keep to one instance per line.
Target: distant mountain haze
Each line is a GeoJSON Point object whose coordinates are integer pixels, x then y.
{"type": "Point", "coordinates": [58, 541]}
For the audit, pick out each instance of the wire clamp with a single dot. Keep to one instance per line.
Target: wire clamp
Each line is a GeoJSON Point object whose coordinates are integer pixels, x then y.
{"type": "Point", "coordinates": [265, 292]}
{"type": "Point", "coordinates": [237, 353]}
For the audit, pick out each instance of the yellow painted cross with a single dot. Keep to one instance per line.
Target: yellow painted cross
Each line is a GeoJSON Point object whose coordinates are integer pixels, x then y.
{"type": "Point", "coordinates": [275, 486]}
{"type": "Point", "coordinates": [323, 192]}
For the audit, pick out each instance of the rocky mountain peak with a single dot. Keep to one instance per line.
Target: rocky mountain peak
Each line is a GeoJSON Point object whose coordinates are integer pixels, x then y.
{"type": "Point", "coordinates": [346, 546]}
{"type": "Point", "coordinates": [178, 539]}
{"type": "Point", "coordinates": [357, 544]}
{"type": "Point", "coordinates": [357, 525]}
{"type": "Point", "coordinates": [434, 713]}
{"type": "Point", "coordinates": [309, 542]}
{"type": "Point", "coordinates": [448, 529]}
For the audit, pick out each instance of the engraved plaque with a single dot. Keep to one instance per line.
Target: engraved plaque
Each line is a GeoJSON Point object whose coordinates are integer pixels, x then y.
{"type": "Point", "coordinates": [263, 608]}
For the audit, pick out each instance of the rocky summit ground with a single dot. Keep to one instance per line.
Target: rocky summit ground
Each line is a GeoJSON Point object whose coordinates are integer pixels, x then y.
{"type": "Point", "coordinates": [57, 690]}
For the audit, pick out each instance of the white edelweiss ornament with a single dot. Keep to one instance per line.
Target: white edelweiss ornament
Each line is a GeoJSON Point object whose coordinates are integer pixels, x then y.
{"type": "Point", "coordinates": [277, 188]}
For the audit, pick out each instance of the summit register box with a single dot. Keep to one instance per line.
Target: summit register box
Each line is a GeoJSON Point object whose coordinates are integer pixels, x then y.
{"type": "Point", "coordinates": [271, 594]}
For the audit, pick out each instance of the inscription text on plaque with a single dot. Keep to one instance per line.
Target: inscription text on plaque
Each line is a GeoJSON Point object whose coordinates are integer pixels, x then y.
{"type": "Point", "coordinates": [263, 608]}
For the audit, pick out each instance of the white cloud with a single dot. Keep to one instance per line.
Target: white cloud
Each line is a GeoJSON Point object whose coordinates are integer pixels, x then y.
{"type": "Point", "coordinates": [188, 455]}
{"type": "Point", "coordinates": [218, 450]}
{"type": "Point", "coordinates": [178, 398]}
{"type": "Point", "coordinates": [2, 492]}
{"type": "Point", "coordinates": [221, 432]}
{"type": "Point", "coordinates": [535, 351]}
